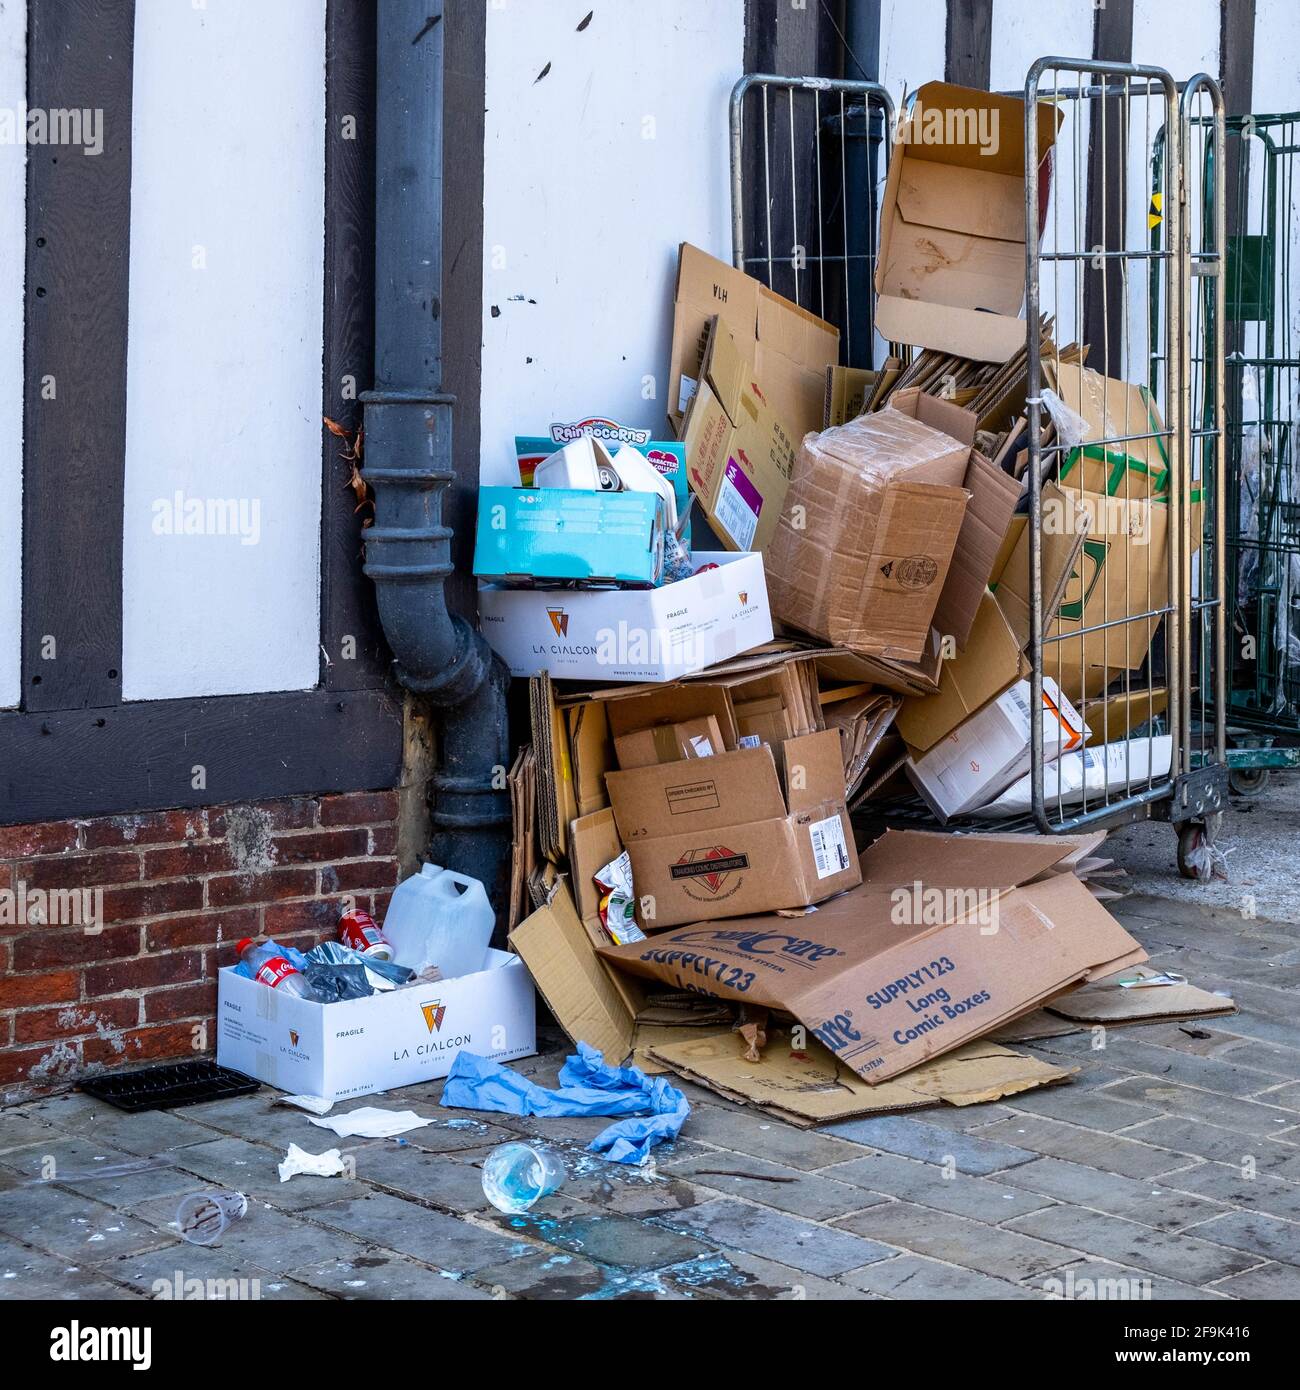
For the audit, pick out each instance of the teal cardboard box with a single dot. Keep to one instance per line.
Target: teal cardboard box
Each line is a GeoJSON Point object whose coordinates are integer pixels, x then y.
{"type": "Point", "coordinates": [553, 534]}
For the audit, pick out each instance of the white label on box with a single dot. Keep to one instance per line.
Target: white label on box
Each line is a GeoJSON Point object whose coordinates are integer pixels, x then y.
{"type": "Point", "coordinates": [829, 850]}
{"type": "Point", "coordinates": [735, 515]}
{"type": "Point", "coordinates": [749, 741]}
{"type": "Point", "coordinates": [686, 392]}
{"type": "Point", "coordinates": [701, 747]}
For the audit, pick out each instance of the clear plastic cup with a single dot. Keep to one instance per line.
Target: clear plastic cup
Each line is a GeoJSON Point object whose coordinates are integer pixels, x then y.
{"type": "Point", "coordinates": [204, 1216]}
{"type": "Point", "coordinates": [517, 1176]}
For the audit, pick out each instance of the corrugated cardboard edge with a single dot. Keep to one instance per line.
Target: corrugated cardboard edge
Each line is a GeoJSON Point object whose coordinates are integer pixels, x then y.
{"type": "Point", "coordinates": [977, 1073]}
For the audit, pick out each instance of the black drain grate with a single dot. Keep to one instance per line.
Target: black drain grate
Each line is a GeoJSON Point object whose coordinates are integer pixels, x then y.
{"type": "Point", "coordinates": [172, 1084]}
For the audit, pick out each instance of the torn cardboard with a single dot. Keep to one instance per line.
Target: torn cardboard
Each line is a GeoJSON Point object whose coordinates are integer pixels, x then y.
{"type": "Point", "coordinates": [808, 1086]}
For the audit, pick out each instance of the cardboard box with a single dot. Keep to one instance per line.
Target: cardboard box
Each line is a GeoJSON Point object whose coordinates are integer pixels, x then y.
{"type": "Point", "coordinates": [632, 635]}
{"type": "Point", "coordinates": [1113, 410]}
{"type": "Point", "coordinates": [789, 348]}
{"type": "Point", "coordinates": [848, 389]}
{"type": "Point", "coordinates": [555, 533]}
{"type": "Point", "coordinates": [990, 664]}
{"type": "Point", "coordinates": [942, 942]}
{"type": "Point", "coordinates": [358, 1046]}
{"type": "Point", "coordinates": [669, 743]}
{"type": "Point", "coordinates": [1122, 568]}
{"type": "Point", "coordinates": [987, 753]}
{"type": "Point", "coordinates": [951, 270]}
{"type": "Point", "coordinates": [739, 452]}
{"type": "Point", "coordinates": [872, 518]}
{"type": "Point", "coordinates": [733, 834]}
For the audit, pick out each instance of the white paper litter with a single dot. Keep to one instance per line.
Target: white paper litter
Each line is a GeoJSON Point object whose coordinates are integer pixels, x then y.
{"type": "Point", "coordinates": [299, 1162]}
{"type": "Point", "coordinates": [316, 1104]}
{"type": "Point", "coordinates": [370, 1122]}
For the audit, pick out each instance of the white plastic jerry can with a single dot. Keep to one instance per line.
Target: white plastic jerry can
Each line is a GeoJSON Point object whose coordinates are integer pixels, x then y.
{"type": "Point", "coordinates": [439, 917]}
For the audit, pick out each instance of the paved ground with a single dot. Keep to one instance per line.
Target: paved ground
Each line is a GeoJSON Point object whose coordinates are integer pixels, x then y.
{"type": "Point", "coordinates": [1169, 1168]}
{"type": "Point", "coordinates": [1259, 834]}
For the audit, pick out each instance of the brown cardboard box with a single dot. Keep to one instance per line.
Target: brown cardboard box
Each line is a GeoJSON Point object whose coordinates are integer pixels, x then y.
{"type": "Point", "coordinates": [731, 834]}
{"type": "Point", "coordinates": [764, 719]}
{"type": "Point", "coordinates": [1139, 467]}
{"type": "Point", "coordinates": [872, 518]}
{"type": "Point", "coordinates": [1119, 715]}
{"type": "Point", "coordinates": [790, 349]}
{"type": "Point", "coordinates": [668, 743]}
{"type": "Point", "coordinates": [990, 664]}
{"type": "Point", "coordinates": [940, 944]}
{"type": "Point", "coordinates": [739, 451]}
{"type": "Point", "coordinates": [951, 270]}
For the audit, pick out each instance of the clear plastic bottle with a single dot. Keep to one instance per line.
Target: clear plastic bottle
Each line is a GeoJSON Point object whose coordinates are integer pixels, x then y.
{"type": "Point", "coordinates": [270, 967]}
{"type": "Point", "coordinates": [439, 917]}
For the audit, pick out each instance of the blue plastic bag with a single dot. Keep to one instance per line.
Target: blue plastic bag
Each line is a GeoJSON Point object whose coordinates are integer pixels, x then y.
{"type": "Point", "coordinates": [587, 1087]}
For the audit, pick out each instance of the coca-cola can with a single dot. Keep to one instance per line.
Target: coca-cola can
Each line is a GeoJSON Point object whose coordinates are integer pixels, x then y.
{"type": "Point", "coordinates": [360, 931]}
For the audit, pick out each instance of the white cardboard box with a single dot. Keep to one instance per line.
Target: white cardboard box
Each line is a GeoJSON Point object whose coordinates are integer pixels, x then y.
{"type": "Point", "coordinates": [632, 634]}
{"type": "Point", "coordinates": [375, 1044]}
{"type": "Point", "coordinates": [990, 750]}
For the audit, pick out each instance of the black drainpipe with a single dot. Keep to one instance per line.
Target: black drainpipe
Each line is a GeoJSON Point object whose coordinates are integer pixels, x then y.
{"type": "Point", "coordinates": [408, 460]}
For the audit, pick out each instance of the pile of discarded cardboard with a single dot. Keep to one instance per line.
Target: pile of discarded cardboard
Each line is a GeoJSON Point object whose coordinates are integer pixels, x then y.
{"type": "Point", "coordinates": [703, 721]}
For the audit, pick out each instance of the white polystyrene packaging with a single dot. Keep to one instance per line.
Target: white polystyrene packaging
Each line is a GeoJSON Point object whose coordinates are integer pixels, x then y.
{"type": "Point", "coordinates": [440, 918]}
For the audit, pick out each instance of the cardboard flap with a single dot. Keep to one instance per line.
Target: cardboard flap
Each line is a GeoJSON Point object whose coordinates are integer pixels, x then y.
{"type": "Point", "coordinates": [964, 861]}
{"type": "Point", "coordinates": [1003, 121]}
{"type": "Point", "coordinates": [575, 983]}
{"type": "Point", "coordinates": [699, 794]}
{"type": "Point", "coordinates": [993, 498]}
{"type": "Point", "coordinates": [814, 770]}
{"type": "Point", "coordinates": [976, 202]}
{"type": "Point", "coordinates": [969, 333]}
{"type": "Point", "coordinates": [725, 369]}
{"type": "Point", "coordinates": [671, 705]}
{"type": "Point", "coordinates": [989, 664]}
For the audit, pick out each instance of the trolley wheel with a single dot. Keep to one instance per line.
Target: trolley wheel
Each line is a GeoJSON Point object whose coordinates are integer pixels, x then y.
{"type": "Point", "coordinates": [1247, 781]}
{"type": "Point", "coordinates": [1195, 841]}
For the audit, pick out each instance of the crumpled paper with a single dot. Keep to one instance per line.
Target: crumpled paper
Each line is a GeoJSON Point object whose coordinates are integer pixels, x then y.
{"type": "Point", "coordinates": [299, 1162]}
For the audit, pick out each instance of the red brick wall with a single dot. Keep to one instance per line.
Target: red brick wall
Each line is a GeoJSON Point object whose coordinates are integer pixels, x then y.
{"type": "Point", "coordinates": [179, 889]}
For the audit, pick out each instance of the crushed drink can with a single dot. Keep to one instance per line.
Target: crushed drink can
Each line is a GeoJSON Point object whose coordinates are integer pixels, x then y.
{"type": "Point", "coordinates": [360, 931]}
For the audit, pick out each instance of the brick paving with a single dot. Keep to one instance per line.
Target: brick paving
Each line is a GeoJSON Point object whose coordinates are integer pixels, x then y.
{"type": "Point", "coordinates": [1170, 1168]}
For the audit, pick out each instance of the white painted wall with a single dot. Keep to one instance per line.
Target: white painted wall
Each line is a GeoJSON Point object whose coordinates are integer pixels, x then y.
{"type": "Point", "coordinates": [13, 196]}
{"type": "Point", "coordinates": [225, 350]}
{"type": "Point", "coordinates": [592, 176]}
{"type": "Point", "coordinates": [912, 34]}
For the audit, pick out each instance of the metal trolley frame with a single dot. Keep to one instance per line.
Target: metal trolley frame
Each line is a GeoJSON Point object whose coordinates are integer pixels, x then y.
{"type": "Point", "coordinates": [1166, 632]}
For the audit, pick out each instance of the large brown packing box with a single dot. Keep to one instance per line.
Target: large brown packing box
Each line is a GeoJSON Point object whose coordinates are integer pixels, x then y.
{"type": "Point", "coordinates": [876, 539]}
{"type": "Point", "coordinates": [951, 270]}
{"type": "Point", "coordinates": [789, 348]}
{"type": "Point", "coordinates": [944, 940]}
{"type": "Point", "coordinates": [755, 830]}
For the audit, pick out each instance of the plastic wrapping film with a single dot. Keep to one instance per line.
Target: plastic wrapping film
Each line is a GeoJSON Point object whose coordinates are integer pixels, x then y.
{"type": "Point", "coordinates": [840, 481]}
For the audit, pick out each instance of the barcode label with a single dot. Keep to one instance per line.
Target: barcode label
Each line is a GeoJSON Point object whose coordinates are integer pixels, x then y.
{"type": "Point", "coordinates": [830, 853]}
{"type": "Point", "coordinates": [734, 514]}
{"type": "Point", "coordinates": [1019, 700]}
{"type": "Point", "coordinates": [750, 741]}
